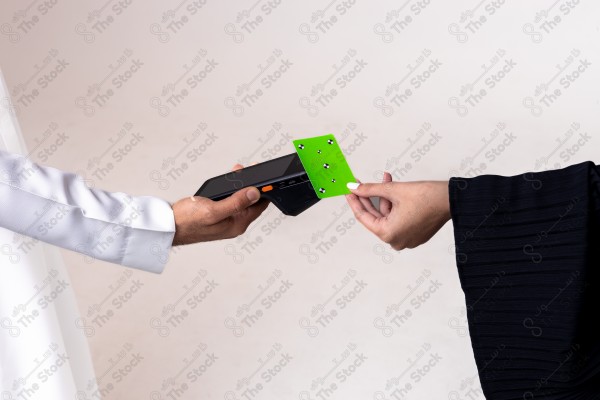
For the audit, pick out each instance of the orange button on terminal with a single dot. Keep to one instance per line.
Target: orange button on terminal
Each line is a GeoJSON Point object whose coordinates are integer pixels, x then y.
{"type": "Point", "coordinates": [267, 188]}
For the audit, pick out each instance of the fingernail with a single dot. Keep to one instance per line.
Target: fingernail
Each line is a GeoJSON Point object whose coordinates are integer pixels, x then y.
{"type": "Point", "coordinates": [352, 185]}
{"type": "Point", "coordinates": [253, 195]}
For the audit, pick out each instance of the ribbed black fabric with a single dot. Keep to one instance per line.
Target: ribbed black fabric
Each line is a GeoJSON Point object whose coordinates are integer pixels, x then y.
{"type": "Point", "coordinates": [528, 256]}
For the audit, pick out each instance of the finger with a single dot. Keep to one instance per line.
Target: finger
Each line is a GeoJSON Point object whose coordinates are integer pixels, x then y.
{"type": "Point", "coordinates": [366, 202]}
{"type": "Point", "coordinates": [254, 211]}
{"type": "Point", "coordinates": [370, 189]}
{"type": "Point", "coordinates": [249, 215]}
{"type": "Point", "coordinates": [362, 215]}
{"type": "Point", "coordinates": [368, 205]}
{"type": "Point", "coordinates": [237, 202]}
{"type": "Point", "coordinates": [237, 167]}
{"type": "Point", "coordinates": [385, 206]}
{"type": "Point", "coordinates": [363, 208]}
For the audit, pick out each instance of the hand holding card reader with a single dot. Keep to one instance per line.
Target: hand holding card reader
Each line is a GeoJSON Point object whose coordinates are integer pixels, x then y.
{"type": "Point", "coordinates": [294, 182]}
{"type": "Point", "coordinates": [282, 180]}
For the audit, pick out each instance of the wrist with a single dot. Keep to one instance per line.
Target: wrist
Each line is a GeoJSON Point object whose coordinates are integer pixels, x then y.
{"type": "Point", "coordinates": [178, 237]}
{"type": "Point", "coordinates": [442, 200]}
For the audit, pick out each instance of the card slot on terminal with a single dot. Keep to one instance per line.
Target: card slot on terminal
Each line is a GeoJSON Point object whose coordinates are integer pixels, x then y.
{"type": "Point", "coordinates": [293, 181]}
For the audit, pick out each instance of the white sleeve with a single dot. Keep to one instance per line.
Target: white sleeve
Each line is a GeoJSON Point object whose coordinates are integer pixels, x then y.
{"type": "Point", "coordinates": [59, 208]}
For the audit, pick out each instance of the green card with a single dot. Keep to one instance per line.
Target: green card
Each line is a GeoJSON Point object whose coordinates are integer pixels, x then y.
{"type": "Point", "coordinates": [325, 164]}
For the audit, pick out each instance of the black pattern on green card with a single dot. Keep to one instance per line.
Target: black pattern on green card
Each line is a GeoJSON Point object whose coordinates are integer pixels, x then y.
{"type": "Point", "coordinates": [325, 164]}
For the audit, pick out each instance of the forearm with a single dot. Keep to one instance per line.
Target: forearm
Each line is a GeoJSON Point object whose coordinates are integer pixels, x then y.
{"type": "Point", "coordinates": [526, 250]}
{"type": "Point", "coordinates": [58, 208]}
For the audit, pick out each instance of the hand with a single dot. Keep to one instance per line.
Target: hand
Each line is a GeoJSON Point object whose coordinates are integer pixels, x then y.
{"type": "Point", "coordinates": [198, 219]}
{"type": "Point", "coordinates": [409, 213]}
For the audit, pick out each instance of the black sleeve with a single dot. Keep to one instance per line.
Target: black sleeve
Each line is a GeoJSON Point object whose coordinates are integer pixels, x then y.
{"type": "Point", "coordinates": [528, 257]}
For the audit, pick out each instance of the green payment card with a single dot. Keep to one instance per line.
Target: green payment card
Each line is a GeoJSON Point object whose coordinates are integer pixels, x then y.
{"type": "Point", "coordinates": [325, 164]}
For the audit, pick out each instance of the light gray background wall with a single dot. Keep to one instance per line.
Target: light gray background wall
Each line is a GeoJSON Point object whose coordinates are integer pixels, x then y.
{"type": "Point", "coordinates": [534, 66]}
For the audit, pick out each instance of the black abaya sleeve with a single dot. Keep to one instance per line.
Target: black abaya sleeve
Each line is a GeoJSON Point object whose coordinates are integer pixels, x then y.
{"type": "Point", "coordinates": [528, 256]}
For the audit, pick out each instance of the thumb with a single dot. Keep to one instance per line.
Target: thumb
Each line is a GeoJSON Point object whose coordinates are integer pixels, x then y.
{"type": "Point", "coordinates": [370, 189]}
{"type": "Point", "coordinates": [236, 203]}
